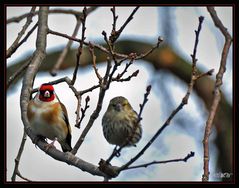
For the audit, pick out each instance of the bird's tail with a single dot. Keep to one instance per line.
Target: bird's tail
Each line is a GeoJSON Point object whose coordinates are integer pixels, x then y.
{"type": "Point", "coordinates": [65, 146]}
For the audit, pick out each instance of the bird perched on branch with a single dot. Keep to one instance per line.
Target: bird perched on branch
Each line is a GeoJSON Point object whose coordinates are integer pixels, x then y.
{"type": "Point", "coordinates": [120, 123]}
{"type": "Point", "coordinates": [48, 117]}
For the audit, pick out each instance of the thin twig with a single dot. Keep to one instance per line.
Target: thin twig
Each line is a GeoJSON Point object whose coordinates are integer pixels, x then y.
{"type": "Point", "coordinates": [51, 11]}
{"type": "Point", "coordinates": [24, 178]}
{"type": "Point", "coordinates": [69, 43]}
{"type": "Point", "coordinates": [209, 73]}
{"type": "Point", "coordinates": [124, 71]}
{"type": "Point", "coordinates": [116, 151]}
{"type": "Point", "coordinates": [78, 55]}
{"type": "Point", "coordinates": [103, 87]}
{"type": "Point", "coordinates": [60, 80]}
{"type": "Point", "coordinates": [83, 111]}
{"type": "Point", "coordinates": [148, 89]}
{"type": "Point", "coordinates": [27, 35]}
{"type": "Point", "coordinates": [115, 34]}
{"type": "Point", "coordinates": [184, 101]}
{"type": "Point", "coordinates": [15, 44]}
{"type": "Point", "coordinates": [142, 56]}
{"type": "Point", "coordinates": [78, 110]}
{"type": "Point", "coordinates": [18, 72]}
{"type": "Point", "coordinates": [89, 89]}
{"type": "Point", "coordinates": [114, 19]}
{"type": "Point", "coordinates": [91, 121]}
{"type": "Point", "coordinates": [66, 49]}
{"type": "Point", "coordinates": [94, 115]}
{"type": "Point", "coordinates": [110, 45]}
{"type": "Point", "coordinates": [185, 159]}
{"type": "Point", "coordinates": [23, 40]}
{"type": "Point", "coordinates": [91, 49]}
{"type": "Point", "coordinates": [85, 43]}
{"type": "Point", "coordinates": [109, 75]}
{"type": "Point", "coordinates": [82, 18]}
{"type": "Point", "coordinates": [107, 71]}
{"type": "Point", "coordinates": [103, 49]}
{"type": "Point", "coordinates": [134, 74]}
{"type": "Point", "coordinates": [19, 154]}
{"type": "Point", "coordinates": [217, 92]}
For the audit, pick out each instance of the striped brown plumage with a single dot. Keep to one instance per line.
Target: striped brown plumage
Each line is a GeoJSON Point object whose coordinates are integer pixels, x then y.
{"type": "Point", "coordinates": [119, 123]}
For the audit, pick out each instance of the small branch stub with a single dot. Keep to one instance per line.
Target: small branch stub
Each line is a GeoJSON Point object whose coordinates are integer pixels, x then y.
{"type": "Point", "coordinates": [111, 171]}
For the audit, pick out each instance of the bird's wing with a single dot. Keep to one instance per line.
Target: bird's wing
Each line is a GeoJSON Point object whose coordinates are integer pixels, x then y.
{"type": "Point", "coordinates": [65, 116]}
{"type": "Point", "coordinates": [68, 137]}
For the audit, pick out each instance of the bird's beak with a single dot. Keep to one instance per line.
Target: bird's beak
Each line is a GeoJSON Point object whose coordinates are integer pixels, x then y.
{"type": "Point", "coordinates": [118, 107]}
{"type": "Point", "coordinates": [47, 94]}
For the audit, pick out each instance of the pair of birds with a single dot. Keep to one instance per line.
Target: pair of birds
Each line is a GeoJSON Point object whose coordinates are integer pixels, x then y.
{"type": "Point", "coordinates": [48, 118]}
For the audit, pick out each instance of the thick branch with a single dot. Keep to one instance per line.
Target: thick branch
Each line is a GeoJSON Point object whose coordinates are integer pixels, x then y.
{"type": "Point", "coordinates": [28, 79]}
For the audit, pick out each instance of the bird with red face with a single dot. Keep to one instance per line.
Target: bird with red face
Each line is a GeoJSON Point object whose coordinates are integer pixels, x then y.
{"type": "Point", "coordinates": [48, 117]}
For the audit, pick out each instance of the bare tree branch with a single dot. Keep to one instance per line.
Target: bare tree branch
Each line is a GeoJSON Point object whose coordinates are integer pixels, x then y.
{"type": "Point", "coordinates": [83, 110]}
{"type": "Point", "coordinates": [185, 159]}
{"type": "Point", "coordinates": [91, 49]}
{"type": "Point", "coordinates": [18, 72]}
{"type": "Point", "coordinates": [28, 79]}
{"type": "Point", "coordinates": [141, 56]}
{"type": "Point", "coordinates": [89, 89]}
{"type": "Point", "coordinates": [24, 66]}
{"type": "Point", "coordinates": [15, 44]}
{"type": "Point", "coordinates": [31, 71]}
{"type": "Point", "coordinates": [67, 47]}
{"type": "Point", "coordinates": [51, 11]}
{"type": "Point", "coordinates": [116, 151]}
{"type": "Point", "coordinates": [103, 49]}
{"type": "Point", "coordinates": [19, 154]}
{"type": "Point", "coordinates": [115, 34]}
{"type": "Point", "coordinates": [134, 74]}
{"type": "Point", "coordinates": [105, 169]}
{"type": "Point", "coordinates": [217, 92]}
{"type": "Point", "coordinates": [103, 87]}
{"type": "Point", "coordinates": [184, 101]}
{"type": "Point", "coordinates": [85, 43]}
{"type": "Point", "coordinates": [83, 19]}
{"type": "Point", "coordinates": [93, 117]}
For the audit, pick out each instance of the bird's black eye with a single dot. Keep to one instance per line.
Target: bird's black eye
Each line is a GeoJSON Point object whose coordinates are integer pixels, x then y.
{"type": "Point", "coordinates": [42, 92]}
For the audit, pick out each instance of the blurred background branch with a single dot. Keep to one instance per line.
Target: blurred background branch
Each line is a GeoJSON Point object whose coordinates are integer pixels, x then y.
{"type": "Point", "coordinates": [164, 58]}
